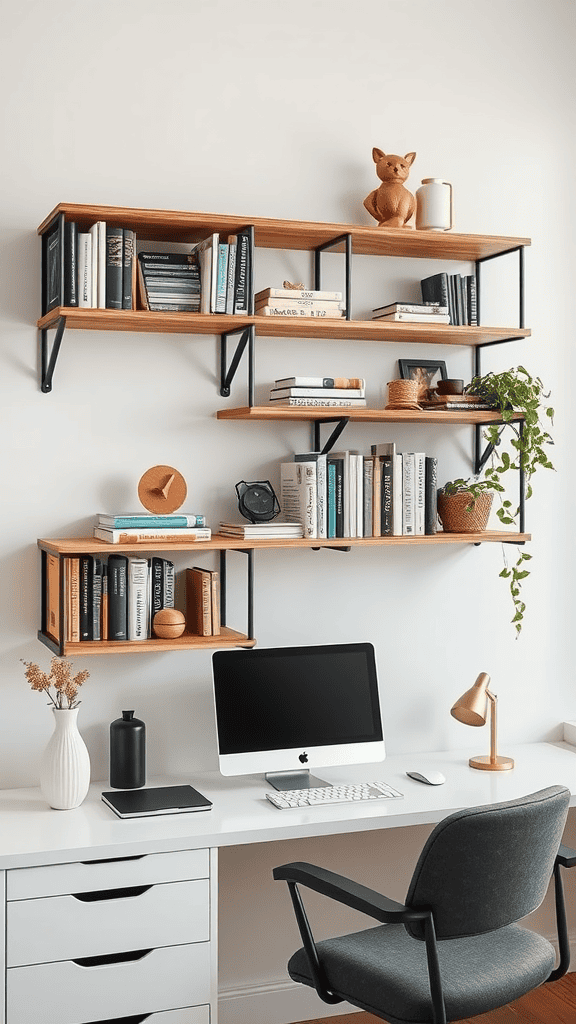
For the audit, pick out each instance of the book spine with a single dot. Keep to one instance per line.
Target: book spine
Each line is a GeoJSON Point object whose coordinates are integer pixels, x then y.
{"type": "Point", "coordinates": [114, 264]}
{"type": "Point", "coordinates": [397, 493]}
{"type": "Point", "coordinates": [104, 603]}
{"type": "Point", "coordinates": [85, 269]}
{"type": "Point", "coordinates": [359, 496]}
{"type": "Point", "coordinates": [308, 483]}
{"type": "Point", "coordinates": [127, 268]}
{"type": "Point", "coordinates": [152, 522]}
{"type": "Point", "coordinates": [341, 383]}
{"type": "Point", "coordinates": [215, 602]}
{"type": "Point", "coordinates": [54, 264]}
{"type": "Point", "coordinates": [168, 584]}
{"type": "Point", "coordinates": [408, 495]}
{"type": "Point", "coordinates": [472, 300]}
{"type": "Point", "coordinates": [53, 596]}
{"type": "Point", "coordinates": [377, 498]}
{"type": "Point", "coordinates": [100, 266]}
{"type": "Point", "coordinates": [70, 264]}
{"type": "Point", "coordinates": [231, 275]}
{"type": "Point", "coordinates": [144, 537]}
{"type": "Point", "coordinates": [368, 492]}
{"type": "Point", "coordinates": [435, 289]}
{"type": "Point", "coordinates": [322, 402]}
{"type": "Point", "coordinates": [430, 496]}
{"type": "Point", "coordinates": [86, 578]}
{"type": "Point", "coordinates": [323, 393]}
{"type": "Point", "coordinates": [241, 283]}
{"type": "Point", "coordinates": [386, 497]}
{"type": "Point", "coordinates": [137, 599]}
{"type": "Point", "coordinates": [198, 602]}
{"type": "Point", "coordinates": [300, 311]}
{"type": "Point", "coordinates": [73, 630]}
{"type": "Point", "coordinates": [414, 318]}
{"type": "Point", "coordinates": [297, 304]}
{"type": "Point", "coordinates": [297, 293]}
{"type": "Point", "coordinates": [221, 278]}
{"type": "Point", "coordinates": [419, 489]}
{"type": "Point", "coordinates": [117, 598]}
{"type": "Point", "coordinates": [331, 466]}
{"type": "Point", "coordinates": [96, 598]}
{"type": "Point", "coordinates": [156, 585]}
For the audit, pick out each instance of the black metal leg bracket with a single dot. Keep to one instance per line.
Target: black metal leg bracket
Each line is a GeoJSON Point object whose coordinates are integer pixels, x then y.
{"type": "Point", "coordinates": [49, 362]}
{"type": "Point", "coordinates": [250, 589]}
{"type": "Point", "coordinates": [340, 421]}
{"type": "Point", "coordinates": [227, 375]}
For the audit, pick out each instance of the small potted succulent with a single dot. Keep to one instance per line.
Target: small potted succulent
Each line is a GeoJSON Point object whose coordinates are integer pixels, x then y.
{"type": "Point", "coordinates": [464, 504]}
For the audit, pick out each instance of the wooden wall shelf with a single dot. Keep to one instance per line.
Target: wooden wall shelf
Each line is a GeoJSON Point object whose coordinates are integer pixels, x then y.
{"type": "Point", "coordinates": [186, 642]}
{"type": "Point", "coordinates": [363, 415]}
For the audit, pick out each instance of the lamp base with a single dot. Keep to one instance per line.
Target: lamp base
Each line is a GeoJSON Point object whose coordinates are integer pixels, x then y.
{"type": "Point", "coordinates": [487, 764]}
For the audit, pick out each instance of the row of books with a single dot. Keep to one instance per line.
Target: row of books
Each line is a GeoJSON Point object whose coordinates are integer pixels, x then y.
{"type": "Point", "coordinates": [113, 598]}
{"type": "Point", "coordinates": [134, 528]}
{"type": "Point", "coordinates": [299, 302]}
{"type": "Point", "coordinates": [319, 391]}
{"type": "Point", "coordinates": [203, 601]}
{"type": "Point", "coordinates": [413, 312]}
{"type": "Point", "coordinates": [169, 281]}
{"type": "Point", "coordinates": [225, 273]}
{"type": "Point", "coordinates": [96, 268]}
{"type": "Point", "coordinates": [455, 291]}
{"type": "Point", "coordinates": [346, 494]}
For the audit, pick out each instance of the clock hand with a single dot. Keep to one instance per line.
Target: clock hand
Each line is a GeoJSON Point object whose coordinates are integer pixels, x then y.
{"type": "Point", "coordinates": [164, 490]}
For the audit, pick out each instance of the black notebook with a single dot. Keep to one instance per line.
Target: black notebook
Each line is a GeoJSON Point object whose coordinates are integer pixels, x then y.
{"type": "Point", "coordinates": [138, 803]}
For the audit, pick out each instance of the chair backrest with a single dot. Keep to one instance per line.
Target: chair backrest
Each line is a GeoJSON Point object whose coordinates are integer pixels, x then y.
{"type": "Point", "coordinates": [485, 867]}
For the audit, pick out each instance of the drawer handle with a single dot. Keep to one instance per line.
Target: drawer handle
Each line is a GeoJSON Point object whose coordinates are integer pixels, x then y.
{"type": "Point", "coordinates": [114, 860]}
{"type": "Point", "coordinates": [136, 1018]}
{"type": "Point", "coordinates": [111, 894]}
{"type": "Point", "coordinates": [111, 958]}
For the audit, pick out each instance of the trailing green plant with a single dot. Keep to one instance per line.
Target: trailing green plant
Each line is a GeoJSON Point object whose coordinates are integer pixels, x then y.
{"type": "Point", "coordinates": [511, 392]}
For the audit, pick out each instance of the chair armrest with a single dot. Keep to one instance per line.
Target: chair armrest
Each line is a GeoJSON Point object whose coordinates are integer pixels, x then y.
{"type": "Point", "coordinates": [566, 857]}
{"type": "Point", "coordinates": [348, 892]}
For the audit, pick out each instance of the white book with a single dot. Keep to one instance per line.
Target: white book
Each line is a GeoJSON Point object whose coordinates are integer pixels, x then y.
{"type": "Point", "coordinates": [298, 494]}
{"type": "Point", "coordinates": [408, 494]}
{"type": "Point", "coordinates": [415, 318]}
{"type": "Point", "coordinates": [221, 278]}
{"type": "Point", "coordinates": [138, 598]}
{"type": "Point", "coordinates": [397, 504]}
{"type": "Point", "coordinates": [321, 489]}
{"type": "Point", "coordinates": [368, 495]}
{"type": "Point", "coordinates": [297, 293]}
{"type": "Point", "coordinates": [85, 269]}
{"type": "Point", "coordinates": [419, 487]}
{"type": "Point", "coordinates": [347, 403]}
{"type": "Point", "coordinates": [300, 311]}
{"type": "Point", "coordinates": [298, 392]}
{"type": "Point", "coordinates": [299, 304]}
{"type": "Point", "coordinates": [359, 495]}
{"type": "Point", "coordinates": [342, 383]}
{"type": "Point", "coordinates": [141, 535]}
{"type": "Point", "coordinates": [101, 276]}
{"type": "Point", "coordinates": [94, 281]}
{"type": "Point", "coordinates": [207, 252]}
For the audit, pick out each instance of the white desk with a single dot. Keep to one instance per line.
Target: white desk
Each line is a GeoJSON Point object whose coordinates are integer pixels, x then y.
{"type": "Point", "coordinates": [169, 851]}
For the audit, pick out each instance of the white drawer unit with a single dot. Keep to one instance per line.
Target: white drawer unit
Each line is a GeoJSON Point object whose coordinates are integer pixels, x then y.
{"type": "Point", "coordinates": [106, 921]}
{"type": "Point", "coordinates": [144, 982]}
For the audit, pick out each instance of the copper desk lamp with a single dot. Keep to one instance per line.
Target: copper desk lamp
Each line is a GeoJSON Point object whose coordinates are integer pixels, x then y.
{"type": "Point", "coordinates": [472, 709]}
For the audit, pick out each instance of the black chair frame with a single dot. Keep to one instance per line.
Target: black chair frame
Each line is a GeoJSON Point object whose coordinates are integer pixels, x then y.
{"type": "Point", "coordinates": [386, 911]}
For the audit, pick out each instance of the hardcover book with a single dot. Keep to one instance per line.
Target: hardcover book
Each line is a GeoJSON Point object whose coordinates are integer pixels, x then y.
{"type": "Point", "coordinates": [139, 803]}
{"type": "Point", "coordinates": [117, 597]}
{"type": "Point", "coordinates": [114, 267]}
{"type": "Point", "coordinates": [70, 264]}
{"type": "Point", "coordinates": [198, 602]}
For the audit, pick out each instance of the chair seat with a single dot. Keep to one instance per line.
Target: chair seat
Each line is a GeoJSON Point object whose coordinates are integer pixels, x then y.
{"type": "Point", "coordinates": [383, 970]}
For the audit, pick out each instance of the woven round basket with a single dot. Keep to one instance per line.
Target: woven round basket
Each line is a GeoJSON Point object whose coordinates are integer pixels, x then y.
{"type": "Point", "coordinates": [457, 517]}
{"type": "Point", "coordinates": [403, 394]}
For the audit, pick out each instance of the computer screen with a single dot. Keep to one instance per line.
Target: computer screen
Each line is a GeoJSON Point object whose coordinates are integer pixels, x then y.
{"type": "Point", "coordinates": [286, 709]}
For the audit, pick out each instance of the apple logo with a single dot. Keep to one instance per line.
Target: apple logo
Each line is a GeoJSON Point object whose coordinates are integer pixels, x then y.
{"type": "Point", "coordinates": [303, 758]}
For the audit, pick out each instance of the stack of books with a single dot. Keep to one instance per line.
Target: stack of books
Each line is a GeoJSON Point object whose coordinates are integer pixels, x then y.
{"type": "Point", "coordinates": [97, 268]}
{"type": "Point", "coordinates": [203, 601]}
{"type": "Point", "coordinates": [297, 302]}
{"type": "Point", "coordinates": [169, 281]}
{"type": "Point", "coordinates": [346, 494]}
{"type": "Point", "coordinates": [413, 312]}
{"type": "Point", "coordinates": [113, 598]}
{"type": "Point", "coordinates": [457, 292]}
{"type": "Point", "coordinates": [132, 528]}
{"type": "Point", "coordinates": [264, 531]}
{"type": "Point", "coordinates": [319, 391]}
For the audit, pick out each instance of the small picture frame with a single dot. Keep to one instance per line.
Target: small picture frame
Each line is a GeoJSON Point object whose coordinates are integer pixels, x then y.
{"type": "Point", "coordinates": [426, 372]}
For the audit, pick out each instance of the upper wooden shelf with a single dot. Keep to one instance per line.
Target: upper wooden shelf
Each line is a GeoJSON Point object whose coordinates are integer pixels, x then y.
{"type": "Point", "coordinates": [363, 415]}
{"type": "Point", "coordinates": [180, 226]}
{"type": "Point", "coordinates": [276, 327]}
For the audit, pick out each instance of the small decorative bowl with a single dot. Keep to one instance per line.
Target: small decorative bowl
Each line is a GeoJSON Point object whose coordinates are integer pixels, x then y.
{"type": "Point", "coordinates": [450, 386]}
{"type": "Point", "coordinates": [168, 623]}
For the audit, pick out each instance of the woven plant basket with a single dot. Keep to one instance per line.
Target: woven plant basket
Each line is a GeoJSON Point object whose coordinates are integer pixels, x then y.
{"type": "Point", "coordinates": [403, 394]}
{"type": "Point", "coordinates": [457, 517]}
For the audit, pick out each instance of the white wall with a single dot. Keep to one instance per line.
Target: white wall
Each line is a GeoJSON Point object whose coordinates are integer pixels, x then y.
{"type": "Point", "coordinates": [266, 108]}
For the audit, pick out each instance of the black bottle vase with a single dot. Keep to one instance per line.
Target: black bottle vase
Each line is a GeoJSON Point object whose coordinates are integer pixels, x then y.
{"type": "Point", "coordinates": [127, 752]}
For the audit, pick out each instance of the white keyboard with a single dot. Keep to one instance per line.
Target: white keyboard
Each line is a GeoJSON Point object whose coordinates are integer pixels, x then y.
{"type": "Point", "coordinates": [333, 795]}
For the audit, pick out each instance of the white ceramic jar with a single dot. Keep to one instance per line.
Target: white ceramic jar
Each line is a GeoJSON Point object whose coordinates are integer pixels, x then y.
{"type": "Point", "coordinates": [434, 206]}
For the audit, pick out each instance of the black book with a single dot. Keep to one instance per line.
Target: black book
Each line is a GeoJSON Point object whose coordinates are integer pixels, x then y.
{"type": "Point", "coordinates": [339, 494]}
{"type": "Point", "coordinates": [139, 803]}
{"type": "Point", "coordinates": [170, 260]}
{"type": "Point", "coordinates": [472, 300]}
{"type": "Point", "coordinates": [97, 572]}
{"type": "Point", "coordinates": [53, 269]}
{"type": "Point", "coordinates": [70, 264]}
{"type": "Point", "coordinates": [129, 239]}
{"type": "Point", "coordinates": [157, 584]}
{"type": "Point", "coordinates": [386, 496]}
{"type": "Point", "coordinates": [117, 597]}
{"type": "Point", "coordinates": [431, 495]}
{"type": "Point", "coordinates": [242, 283]}
{"type": "Point", "coordinates": [86, 597]}
{"type": "Point", "coordinates": [114, 266]}
{"type": "Point", "coordinates": [436, 289]}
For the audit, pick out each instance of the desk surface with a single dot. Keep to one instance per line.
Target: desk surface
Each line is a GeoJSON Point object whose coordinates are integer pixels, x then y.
{"type": "Point", "coordinates": [31, 833]}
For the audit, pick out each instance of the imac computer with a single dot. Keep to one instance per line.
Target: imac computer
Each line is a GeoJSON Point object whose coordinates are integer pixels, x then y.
{"type": "Point", "coordinates": [288, 709]}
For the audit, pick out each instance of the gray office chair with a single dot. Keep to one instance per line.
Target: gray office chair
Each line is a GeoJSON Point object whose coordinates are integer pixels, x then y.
{"type": "Point", "coordinates": [481, 870]}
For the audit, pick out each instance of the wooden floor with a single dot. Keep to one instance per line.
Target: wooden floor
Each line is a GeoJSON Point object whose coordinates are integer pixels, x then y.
{"type": "Point", "coordinates": [550, 1004]}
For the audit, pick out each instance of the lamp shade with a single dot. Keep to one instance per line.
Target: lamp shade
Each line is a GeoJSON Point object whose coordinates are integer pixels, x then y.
{"type": "Point", "coordinates": [472, 707]}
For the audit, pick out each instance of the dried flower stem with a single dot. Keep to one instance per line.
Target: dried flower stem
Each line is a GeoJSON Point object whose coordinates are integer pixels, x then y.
{"type": "Point", "coordinates": [60, 678]}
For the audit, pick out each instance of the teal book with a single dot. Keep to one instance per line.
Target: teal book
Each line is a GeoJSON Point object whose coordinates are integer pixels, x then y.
{"type": "Point", "coordinates": [126, 521]}
{"type": "Point", "coordinates": [331, 499]}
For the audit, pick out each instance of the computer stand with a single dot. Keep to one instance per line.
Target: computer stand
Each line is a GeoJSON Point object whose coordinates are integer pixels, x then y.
{"type": "Point", "coordinates": [294, 780]}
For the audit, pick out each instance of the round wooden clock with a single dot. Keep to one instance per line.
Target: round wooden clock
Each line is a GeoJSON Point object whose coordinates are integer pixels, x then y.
{"type": "Point", "coordinates": [162, 489]}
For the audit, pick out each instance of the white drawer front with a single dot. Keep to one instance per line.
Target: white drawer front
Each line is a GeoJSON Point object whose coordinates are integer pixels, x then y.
{"type": "Point", "coordinates": [67, 993]}
{"type": "Point", "coordinates": [59, 879]}
{"type": "Point", "coordinates": [65, 928]}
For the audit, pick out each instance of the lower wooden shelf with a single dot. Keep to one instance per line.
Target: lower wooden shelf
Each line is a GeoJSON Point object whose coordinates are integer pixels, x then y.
{"type": "Point", "coordinates": [188, 641]}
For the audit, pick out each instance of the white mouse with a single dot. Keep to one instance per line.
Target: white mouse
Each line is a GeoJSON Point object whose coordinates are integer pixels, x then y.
{"type": "Point", "coordinates": [429, 776]}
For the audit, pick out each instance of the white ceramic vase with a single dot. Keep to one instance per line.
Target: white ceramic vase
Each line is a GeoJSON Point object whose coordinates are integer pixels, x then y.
{"type": "Point", "coordinates": [65, 765]}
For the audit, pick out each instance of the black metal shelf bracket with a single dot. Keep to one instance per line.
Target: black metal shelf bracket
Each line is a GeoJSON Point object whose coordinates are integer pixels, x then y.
{"type": "Point", "coordinates": [250, 588]}
{"type": "Point", "coordinates": [340, 421]}
{"type": "Point", "coordinates": [347, 240]}
{"type": "Point", "coordinates": [49, 362]}
{"type": "Point", "coordinates": [247, 336]}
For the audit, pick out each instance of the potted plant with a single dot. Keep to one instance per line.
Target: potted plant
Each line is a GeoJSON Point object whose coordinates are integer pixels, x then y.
{"type": "Point", "coordinates": [464, 504]}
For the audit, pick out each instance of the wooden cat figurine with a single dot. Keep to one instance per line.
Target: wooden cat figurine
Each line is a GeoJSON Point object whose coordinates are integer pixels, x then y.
{"type": "Point", "coordinates": [391, 204]}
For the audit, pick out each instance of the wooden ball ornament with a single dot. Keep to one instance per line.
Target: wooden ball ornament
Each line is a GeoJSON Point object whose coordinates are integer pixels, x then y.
{"type": "Point", "coordinates": [168, 623]}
